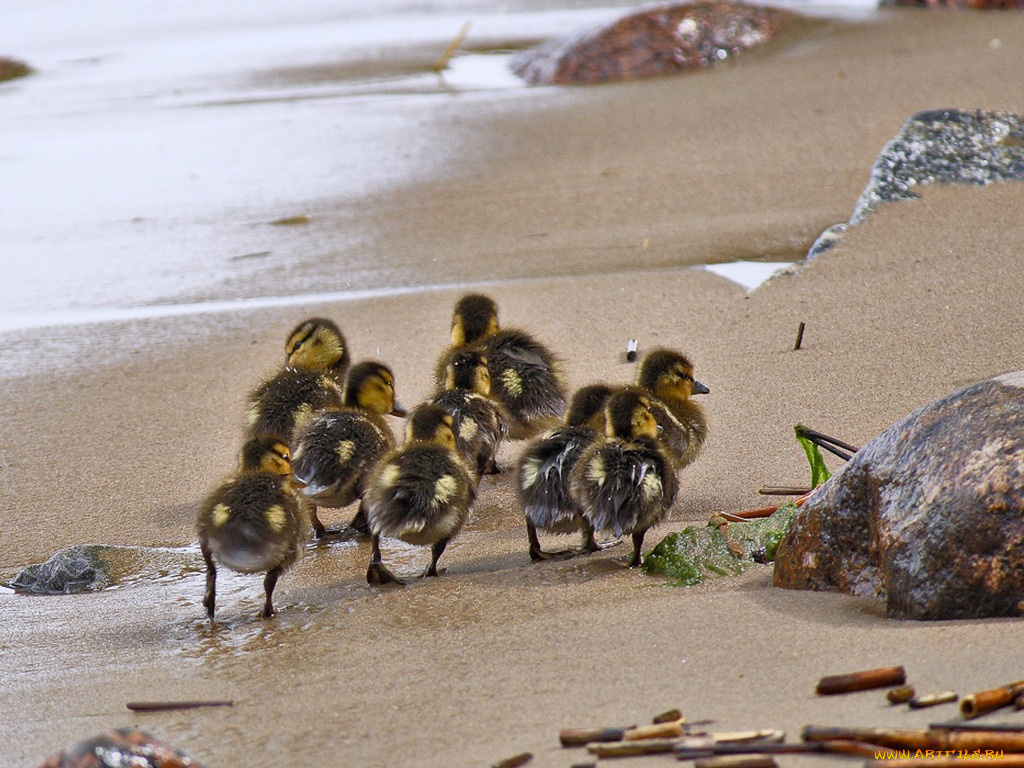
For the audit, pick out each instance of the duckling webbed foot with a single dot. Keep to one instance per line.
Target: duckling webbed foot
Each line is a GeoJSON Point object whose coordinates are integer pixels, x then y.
{"type": "Point", "coordinates": [591, 544]}
{"type": "Point", "coordinates": [377, 572]}
{"type": "Point", "coordinates": [319, 531]}
{"type": "Point", "coordinates": [638, 542]}
{"type": "Point", "coordinates": [538, 555]}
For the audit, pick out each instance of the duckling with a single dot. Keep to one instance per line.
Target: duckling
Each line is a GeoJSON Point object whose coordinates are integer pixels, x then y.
{"type": "Point", "coordinates": [318, 344]}
{"type": "Point", "coordinates": [289, 399]}
{"type": "Point", "coordinates": [668, 376]}
{"type": "Point", "coordinates": [479, 423]}
{"type": "Point", "coordinates": [526, 377]}
{"type": "Point", "coordinates": [335, 449]}
{"type": "Point", "coordinates": [420, 493]}
{"type": "Point", "coordinates": [254, 521]}
{"type": "Point", "coordinates": [544, 468]}
{"type": "Point", "coordinates": [626, 482]}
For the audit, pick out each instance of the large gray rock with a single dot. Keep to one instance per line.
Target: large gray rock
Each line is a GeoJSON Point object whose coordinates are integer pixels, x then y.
{"type": "Point", "coordinates": [940, 146]}
{"type": "Point", "coordinates": [929, 515]}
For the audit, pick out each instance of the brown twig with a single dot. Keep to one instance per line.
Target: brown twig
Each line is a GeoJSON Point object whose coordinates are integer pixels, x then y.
{"type": "Point", "coordinates": [982, 702]}
{"type": "Point", "coordinates": [901, 694]}
{"type": "Point", "coordinates": [933, 699]}
{"type": "Point", "coordinates": [515, 761]}
{"type": "Point", "coordinates": [799, 335]}
{"type": "Point", "coordinates": [580, 737]}
{"type": "Point", "coordinates": [920, 738]}
{"type": "Point", "coordinates": [861, 681]}
{"type": "Point", "coordinates": [165, 706]}
{"type": "Point", "coordinates": [754, 514]}
{"type": "Point", "coordinates": [442, 63]}
{"type": "Point", "coordinates": [783, 490]}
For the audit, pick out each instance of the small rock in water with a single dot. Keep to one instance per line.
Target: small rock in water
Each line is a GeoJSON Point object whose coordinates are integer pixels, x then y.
{"type": "Point", "coordinates": [118, 749]}
{"type": "Point", "coordinates": [939, 146]}
{"type": "Point", "coordinates": [76, 569]}
{"type": "Point", "coordinates": [981, 5]}
{"type": "Point", "coordinates": [929, 515]}
{"type": "Point", "coordinates": [654, 41]}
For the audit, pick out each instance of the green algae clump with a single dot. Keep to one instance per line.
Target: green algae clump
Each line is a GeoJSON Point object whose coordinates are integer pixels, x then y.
{"type": "Point", "coordinates": [696, 553]}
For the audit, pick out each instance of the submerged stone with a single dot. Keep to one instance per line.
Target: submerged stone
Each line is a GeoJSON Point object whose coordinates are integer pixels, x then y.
{"type": "Point", "coordinates": [928, 516]}
{"type": "Point", "coordinates": [654, 41]}
{"type": "Point", "coordinates": [94, 567]}
{"type": "Point", "coordinates": [120, 748]}
{"type": "Point", "coordinates": [939, 146]}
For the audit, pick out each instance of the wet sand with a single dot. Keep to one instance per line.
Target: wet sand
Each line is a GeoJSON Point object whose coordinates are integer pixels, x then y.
{"type": "Point", "coordinates": [581, 214]}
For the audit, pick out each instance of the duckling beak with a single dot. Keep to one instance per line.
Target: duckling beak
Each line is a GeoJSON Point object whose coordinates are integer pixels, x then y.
{"type": "Point", "coordinates": [399, 411]}
{"type": "Point", "coordinates": [699, 389]}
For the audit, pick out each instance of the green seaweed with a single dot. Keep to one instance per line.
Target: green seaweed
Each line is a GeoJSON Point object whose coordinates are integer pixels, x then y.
{"type": "Point", "coordinates": [819, 472]}
{"type": "Point", "coordinates": [696, 553]}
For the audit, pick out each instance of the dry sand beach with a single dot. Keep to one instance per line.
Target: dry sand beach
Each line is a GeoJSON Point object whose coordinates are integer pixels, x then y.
{"type": "Point", "coordinates": [579, 216]}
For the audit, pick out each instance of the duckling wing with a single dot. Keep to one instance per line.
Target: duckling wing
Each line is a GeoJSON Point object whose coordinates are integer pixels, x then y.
{"type": "Point", "coordinates": [525, 376]}
{"type": "Point", "coordinates": [478, 422]}
{"type": "Point", "coordinates": [622, 487]}
{"type": "Point", "coordinates": [420, 494]}
{"type": "Point", "coordinates": [253, 523]}
{"type": "Point", "coordinates": [334, 453]}
{"type": "Point", "coordinates": [279, 404]}
{"type": "Point", "coordinates": [544, 471]}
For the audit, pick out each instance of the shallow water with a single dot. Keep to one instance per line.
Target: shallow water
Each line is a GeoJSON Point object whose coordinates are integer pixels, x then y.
{"type": "Point", "coordinates": [159, 154]}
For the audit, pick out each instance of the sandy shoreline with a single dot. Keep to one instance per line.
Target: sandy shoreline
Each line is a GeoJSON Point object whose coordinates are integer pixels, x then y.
{"type": "Point", "coordinates": [490, 660]}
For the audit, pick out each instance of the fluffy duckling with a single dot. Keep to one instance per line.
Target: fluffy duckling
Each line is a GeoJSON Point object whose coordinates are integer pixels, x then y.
{"type": "Point", "coordinates": [544, 468]}
{"type": "Point", "coordinates": [335, 449]}
{"type": "Point", "coordinates": [289, 399]}
{"type": "Point", "coordinates": [420, 493]}
{"type": "Point", "coordinates": [668, 376]}
{"type": "Point", "coordinates": [526, 377]}
{"type": "Point", "coordinates": [254, 521]}
{"type": "Point", "coordinates": [479, 422]}
{"type": "Point", "coordinates": [626, 482]}
{"type": "Point", "coordinates": [318, 344]}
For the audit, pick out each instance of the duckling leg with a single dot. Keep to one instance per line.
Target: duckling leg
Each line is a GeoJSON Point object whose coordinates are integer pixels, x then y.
{"type": "Point", "coordinates": [435, 551]}
{"type": "Point", "coordinates": [638, 542]}
{"type": "Point", "coordinates": [359, 522]}
{"type": "Point", "coordinates": [318, 527]}
{"type": "Point", "coordinates": [537, 554]}
{"type": "Point", "coordinates": [377, 573]}
{"type": "Point", "coordinates": [487, 465]}
{"type": "Point", "coordinates": [269, 582]}
{"type": "Point", "coordinates": [210, 598]}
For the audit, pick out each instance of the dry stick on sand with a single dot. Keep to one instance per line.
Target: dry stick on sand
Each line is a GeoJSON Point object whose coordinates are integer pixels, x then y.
{"type": "Point", "coordinates": [442, 63]}
{"type": "Point", "coordinates": [701, 746]}
{"type": "Point", "coordinates": [861, 681]}
{"type": "Point", "coordinates": [166, 706]}
{"type": "Point", "coordinates": [836, 747]}
{"type": "Point", "coordinates": [982, 702]}
{"type": "Point", "coordinates": [799, 335]}
{"type": "Point", "coordinates": [754, 514]}
{"type": "Point", "coordinates": [921, 738]}
{"type": "Point", "coordinates": [901, 694]}
{"type": "Point", "coordinates": [932, 699]}
{"type": "Point", "coordinates": [515, 761]}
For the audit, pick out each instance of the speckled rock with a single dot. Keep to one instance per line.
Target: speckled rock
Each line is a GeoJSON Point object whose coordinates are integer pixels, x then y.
{"type": "Point", "coordinates": [654, 41]}
{"type": "Point", "coordinates": [928, 516]}
{"type": "Point", "coordinates": [121, 748]}
{"type": "Point", "coordinates": [941, 146]}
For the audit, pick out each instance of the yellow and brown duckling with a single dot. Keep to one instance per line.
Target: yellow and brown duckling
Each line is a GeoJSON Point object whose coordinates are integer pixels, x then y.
{"type": "Point", "coordinates": [526, 377]}
{"type": "Point", "coordinates": [479, 423]}
{"type": "Point", "coordinates": [625, 483]}
{"type": "Point", "coordinates": [668, 376]}
{"type": "Point", "coordinates": [544, 469]}
{"type": "Point", "coordinates": [255, 521]}
{"type": "Point", "coordinates": [289, 399]}
{"type": "Point", "coordinates": [334, 450]}
{"type": "Point", "coordinates": [420, 493]}
{"type": "Point", "coordinates": [317, 344]}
